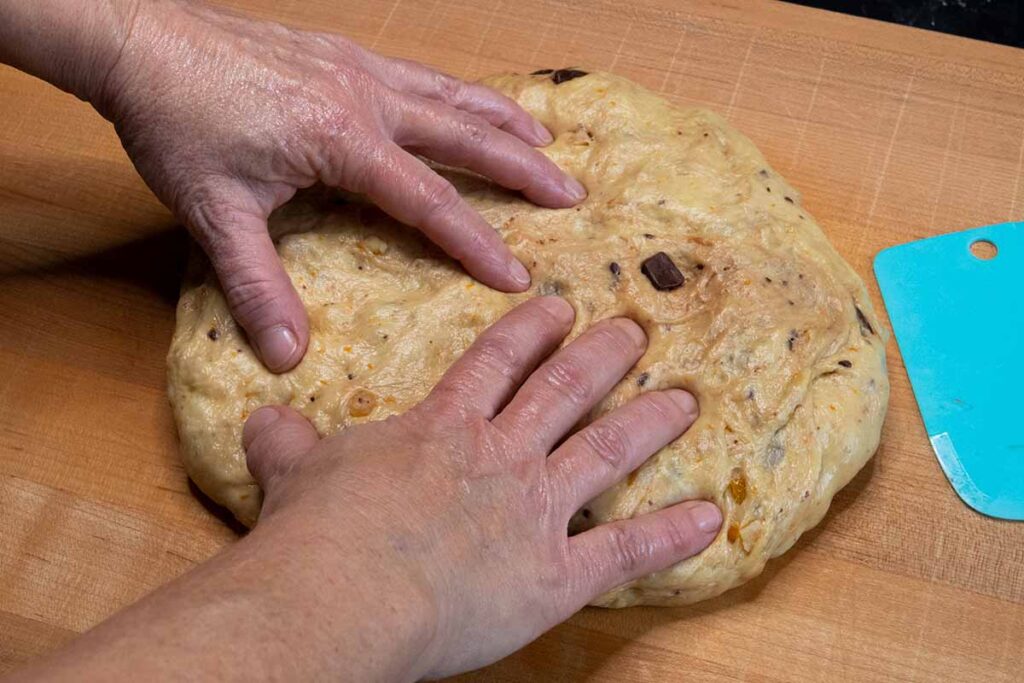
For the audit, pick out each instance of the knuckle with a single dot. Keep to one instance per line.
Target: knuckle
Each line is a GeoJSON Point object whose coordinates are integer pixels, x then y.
{"type": "Point", "coordinates": [571, 382]}
{"type": "Point", "coordinates": [497, 352]}
{"type": "Point", "coordinates": [504, 111]}
{"type": "Point", "coordinates": [662, 408]}
{"type": "Point", "coordinates": [251, 295]}
{"type": "Point", "coordinates": [543, 320]}
{"type": "Point", "coordinates": [357, 164]}
{"type": "Point", "coordinates": [680, 534]}
{"type": "Point", "coordinates": [449, 89]}
{"type": "Point", "coordinates": [473, 241]}
{"type": "Point", "coordinates": [610, 442]}
{"type": "Point", "coordinates": [449, 401]}
{"type": "Point", "coordinates": [629, 548]}
{"type": "Point", "coordinates": [471, 132]}
{"type": "Point", "coordinates": [615, 338]}
{"type": "Point", "coordinates": [440, 200]}
{"type": "Point", "coordinates": [209, 219]}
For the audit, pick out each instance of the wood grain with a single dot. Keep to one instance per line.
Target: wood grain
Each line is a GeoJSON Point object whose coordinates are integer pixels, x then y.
{"type": "Point", "coordinates": [891, 133]}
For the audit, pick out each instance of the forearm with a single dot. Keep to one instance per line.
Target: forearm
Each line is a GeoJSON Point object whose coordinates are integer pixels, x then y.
{"type": "Point", "coordinates": [277, 606]}
{"type": "Point", "coordinates": [72, 44]}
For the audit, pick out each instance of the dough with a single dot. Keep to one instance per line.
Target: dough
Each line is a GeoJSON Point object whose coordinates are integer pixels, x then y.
{"type": "Point", "coordinates": [771, 329]}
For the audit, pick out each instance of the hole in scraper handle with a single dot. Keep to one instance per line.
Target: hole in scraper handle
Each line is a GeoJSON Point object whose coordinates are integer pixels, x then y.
{"type": "Point", "coordinates": [984, 250]}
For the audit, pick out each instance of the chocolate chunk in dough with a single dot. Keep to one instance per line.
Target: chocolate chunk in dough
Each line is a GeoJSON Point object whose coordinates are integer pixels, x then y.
{"type": "Point", "coordinates": [662, 272]}
{"type": "Point", "coordinates": [542, 72]}
{"type": "Point", "coordinates": [865, 326]}
{"type": "Point", "coordinates": [563, 75]}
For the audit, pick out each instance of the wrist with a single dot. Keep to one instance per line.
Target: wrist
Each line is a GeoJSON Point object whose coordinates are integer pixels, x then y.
{"type": "Point", "coordinates": [375, 616]}
{"type": "Point", "coordinates": [72, 44]}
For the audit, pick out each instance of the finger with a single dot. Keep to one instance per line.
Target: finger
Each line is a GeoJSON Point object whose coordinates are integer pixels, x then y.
{"type": "Point", "coordinates": [568, 385]}
{"type": "Point", "coordinates": [257, 288]}
{"type": "Point", "coordinates": [459, 139]}
{"type": "Point", "coordinates": [412, 193]}
{"type": "Point", "coordinates": [612, 554]}
{"type": "Point", "coordinates": [604, 452]}
{"type": "Point", "coordinates": [497, 109]}
{"type": "Point", "coordinates": [488, 373]}
{"type": "Point", "coordinates": [274, 438]}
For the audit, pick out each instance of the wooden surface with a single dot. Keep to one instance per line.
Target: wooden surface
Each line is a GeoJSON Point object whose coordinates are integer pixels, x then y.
{"type": "Point", "coordinates": [890, 133]}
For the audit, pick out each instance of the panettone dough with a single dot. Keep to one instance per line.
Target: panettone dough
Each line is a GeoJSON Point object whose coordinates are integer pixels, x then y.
{"type": "Point", "coordinates": [771, 330]}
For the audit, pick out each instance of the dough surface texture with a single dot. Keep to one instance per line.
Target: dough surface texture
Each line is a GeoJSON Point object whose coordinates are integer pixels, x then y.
{"type": "Point", "coordinates": [771, 330]}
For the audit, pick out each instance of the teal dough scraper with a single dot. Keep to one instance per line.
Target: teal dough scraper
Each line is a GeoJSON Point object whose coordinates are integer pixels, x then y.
{"type": "Point", "coordinates": [956, 303]}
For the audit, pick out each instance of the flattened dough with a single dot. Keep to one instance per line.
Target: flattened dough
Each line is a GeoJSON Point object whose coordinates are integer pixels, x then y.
{"type": "Point", "coordinates": [771, 330]}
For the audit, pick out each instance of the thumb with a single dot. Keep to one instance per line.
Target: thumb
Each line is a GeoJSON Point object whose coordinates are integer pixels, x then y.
{"type": "Point", "coordinates": [258, 290]}
{"type": "Point", "coordinates": [274, 438]}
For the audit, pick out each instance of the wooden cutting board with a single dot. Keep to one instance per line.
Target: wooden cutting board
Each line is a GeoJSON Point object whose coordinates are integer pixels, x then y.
{"type": "Point", "coordinates": [891, 134]}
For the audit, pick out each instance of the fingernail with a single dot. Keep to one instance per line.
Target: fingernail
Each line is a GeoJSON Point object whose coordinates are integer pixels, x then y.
{"type": "Point", "coordinates": [574, 189]}
{"type": "Point", "coordinates": [558, 307]}
{"type": "Point", "coordinates": [277, 345]}
{"type": "Point", "coordinates": [257, 422]}
{"type": "Point", "coordinates": [684, 400]}
{"type": "Point", "coordinates": [707, 517]}
{"type": "Point", "coordinates": [542, 134]}
{"type": "Point", "coordinates": [518, 272]}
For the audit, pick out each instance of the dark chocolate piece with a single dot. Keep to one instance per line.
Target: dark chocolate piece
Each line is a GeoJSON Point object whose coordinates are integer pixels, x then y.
{"type": "Point", "coordinates": [846, 363]}
{"type": "Point", "coordinates": [213, 334]}
{"type": "Point", "coordinates": [662, 272]}
{"type": "Point", "coordinates": [542, 72]}
{"type": "Point", "coordinates": [788, 199]}
{"type": "Point", "coordinates": [642, 379]}
{"type": "Point", "coordinates": [615, 268]}
{"type": "Point", "coordinates": [563, 75]}
{"type": "Point", "coordinates": [865, 326]}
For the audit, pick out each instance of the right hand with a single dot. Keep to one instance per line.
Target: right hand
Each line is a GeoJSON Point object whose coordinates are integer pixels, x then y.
{"type": "Point", "coordinates": [225, 117]}
{"type": "Point", "coordinates": [461, 505]}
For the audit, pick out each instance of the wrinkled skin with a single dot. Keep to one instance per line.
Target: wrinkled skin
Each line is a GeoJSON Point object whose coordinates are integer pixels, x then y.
{"type": "Point", "coordinates": [427, 544]}
{"type": "Point", "coordinates": [225, 117]}
{"type": "Point", "coordinates": [483, 510]}
{"type": "Point", "coordinates": [433, 542]}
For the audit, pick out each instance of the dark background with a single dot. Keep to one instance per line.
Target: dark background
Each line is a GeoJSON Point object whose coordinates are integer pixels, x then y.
{"type": "Point", "coordinates": [996, 21]}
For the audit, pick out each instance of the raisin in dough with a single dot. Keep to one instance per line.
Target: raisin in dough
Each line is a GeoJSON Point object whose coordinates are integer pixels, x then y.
{"type": "Point", "coordinates": [771, 330]}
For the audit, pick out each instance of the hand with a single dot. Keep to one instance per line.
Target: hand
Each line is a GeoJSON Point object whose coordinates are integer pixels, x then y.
{"type": "Point", "coordinates": [466, 498]}
{"type": "Point", "coordinates": [226, 117]}
{"type": "Point", "coordinates": [426, 544]}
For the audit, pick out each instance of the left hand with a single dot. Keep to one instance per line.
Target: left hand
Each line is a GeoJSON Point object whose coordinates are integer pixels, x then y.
{"type": "Point", "coordinates": [225, 117]}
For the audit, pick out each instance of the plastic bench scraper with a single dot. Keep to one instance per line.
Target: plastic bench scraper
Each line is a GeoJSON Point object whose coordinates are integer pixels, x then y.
{"type": "Point", "coordinates": [959, 323]}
